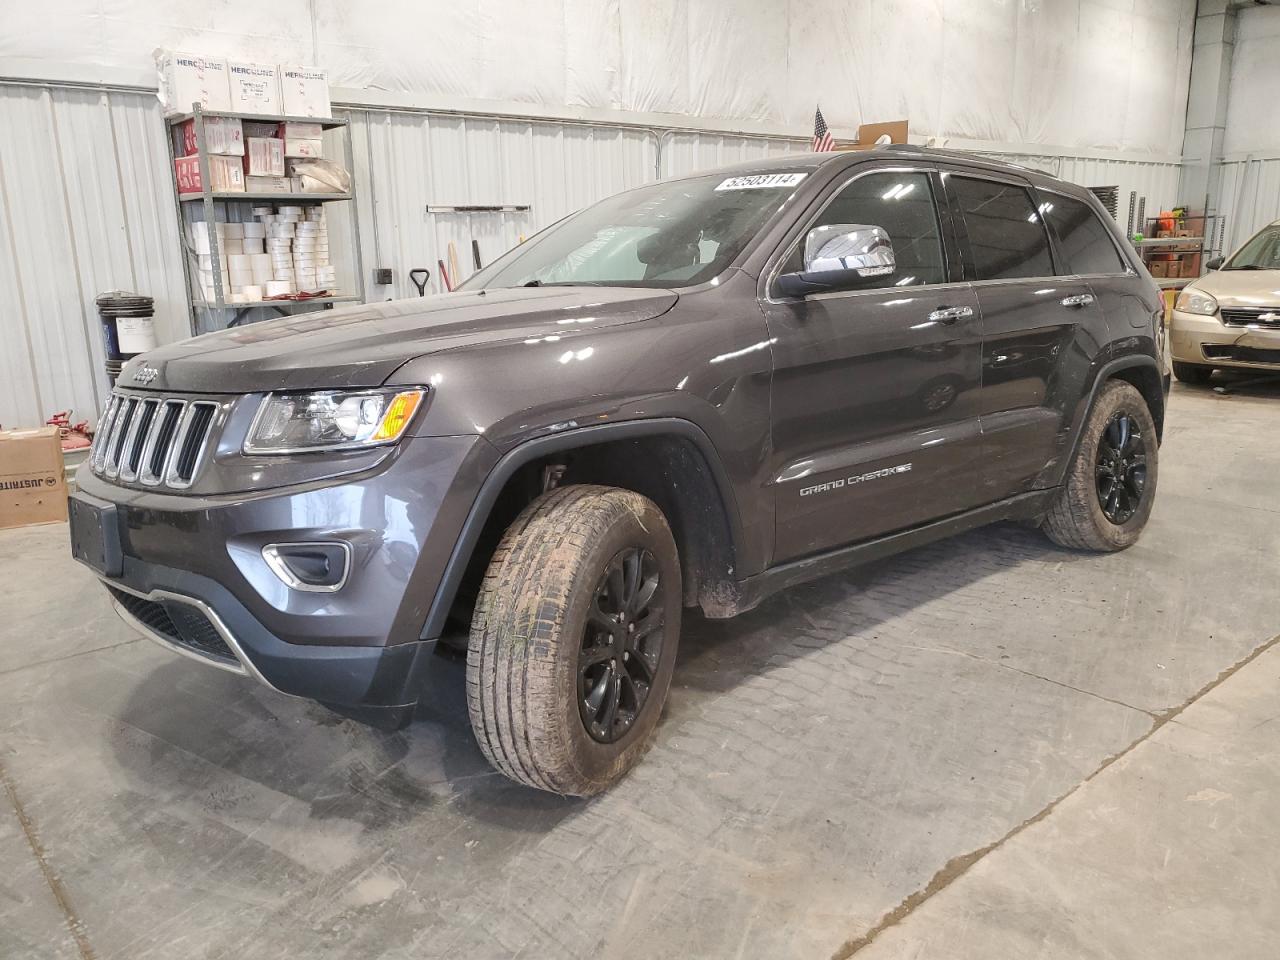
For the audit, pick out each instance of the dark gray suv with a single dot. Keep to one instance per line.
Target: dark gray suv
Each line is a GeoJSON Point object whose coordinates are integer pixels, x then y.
{"type": "Point", "coordinates": [694, 393]}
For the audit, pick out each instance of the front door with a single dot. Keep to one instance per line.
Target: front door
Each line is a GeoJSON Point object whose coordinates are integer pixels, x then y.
{"type": "Point", "coordinates": [875, 389]}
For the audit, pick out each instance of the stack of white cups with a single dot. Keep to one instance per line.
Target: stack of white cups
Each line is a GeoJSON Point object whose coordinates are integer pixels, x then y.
{"type": "Point", "coordinates": [326, 275]}
{"type": "Point", "coordinates": [282, 251]}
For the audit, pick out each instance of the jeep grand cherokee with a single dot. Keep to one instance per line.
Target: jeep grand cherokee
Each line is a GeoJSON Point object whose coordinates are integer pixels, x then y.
{"type": "Point", "coordinates": [691, 394]}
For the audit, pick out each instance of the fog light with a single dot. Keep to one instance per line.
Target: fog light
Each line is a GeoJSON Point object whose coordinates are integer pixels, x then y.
{"type": "Point", "coordinates": [320, 567]}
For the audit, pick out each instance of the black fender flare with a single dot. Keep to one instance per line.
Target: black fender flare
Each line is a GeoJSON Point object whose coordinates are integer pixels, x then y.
{"type": "Point", "coordinates": [539, 447]}
{"type": "Point", "coordinates": [1105, 372]}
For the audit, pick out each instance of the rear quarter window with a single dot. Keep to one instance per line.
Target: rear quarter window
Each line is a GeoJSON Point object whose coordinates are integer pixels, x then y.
{"type": "Point", "coordinates": [1083, 239]}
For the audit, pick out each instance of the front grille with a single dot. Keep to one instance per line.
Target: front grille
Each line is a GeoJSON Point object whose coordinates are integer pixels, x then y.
{"type": "Point", "coordinates": [179, 623]}
{"type": "Point", "coordinates": [1217, 351]}
{"type": "Point", "coordinates": [1243, 316]}
{"type": "Point", "coordinates": [153, 441]}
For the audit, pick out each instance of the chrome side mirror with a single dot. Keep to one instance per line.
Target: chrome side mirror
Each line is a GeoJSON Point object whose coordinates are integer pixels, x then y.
{"type": "Point", "coordinates": [840, 255]}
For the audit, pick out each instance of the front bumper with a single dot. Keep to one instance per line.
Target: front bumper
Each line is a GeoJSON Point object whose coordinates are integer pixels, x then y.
{"type": "Point", "coordinates": [1207, 341]}
{"type": "Point", "coordinates": [190, 573]}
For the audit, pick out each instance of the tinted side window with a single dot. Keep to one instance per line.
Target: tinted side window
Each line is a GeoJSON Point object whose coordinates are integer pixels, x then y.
{"type": "Point", "coordinates": [1084, 240]}
{"type": "Point", "coordinates": [902, 205]}
{"type": "Point", "coordinates": [1006, 236]}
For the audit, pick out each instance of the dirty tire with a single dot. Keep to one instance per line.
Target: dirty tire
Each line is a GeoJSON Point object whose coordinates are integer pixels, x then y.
{"type": "Point", "coordinates": [1076, 519]}
{"type": "Point", "coordinates": [1192, 372]}
{"type": "Point", "coordinates": [528, 628]}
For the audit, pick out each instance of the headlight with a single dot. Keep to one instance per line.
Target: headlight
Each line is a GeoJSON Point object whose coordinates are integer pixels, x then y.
{"type": "Point", "coordinates": [331, 420]}
{"type": "Point", "coordinates": [1196, 301]}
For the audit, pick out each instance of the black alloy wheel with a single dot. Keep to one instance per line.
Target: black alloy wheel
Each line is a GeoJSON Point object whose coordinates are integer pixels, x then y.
{"type": "Point", "coordinates": [621, 645]}
{"type": "Point", "coordinates": [1121, 468]}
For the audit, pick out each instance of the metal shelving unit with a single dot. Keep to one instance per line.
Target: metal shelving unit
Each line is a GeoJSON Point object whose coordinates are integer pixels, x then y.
{"type": "Point", "coordinates": [214, 206]}
{"type": "Point", "coordinates": [1178, 250]}
{"type": "Point", "coordinates": [301, 199]}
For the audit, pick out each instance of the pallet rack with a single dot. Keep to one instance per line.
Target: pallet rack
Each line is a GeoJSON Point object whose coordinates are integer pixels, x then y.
{"type": "Point", "coordinates": [214, 205]}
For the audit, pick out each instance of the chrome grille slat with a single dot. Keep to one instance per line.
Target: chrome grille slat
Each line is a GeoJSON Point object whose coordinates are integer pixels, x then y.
{"type": "Point", "coordinates": [119, 435]}
{"type": "Point", "coordinates": [110, 433]}
{"type": "Point", "coordinates": [188, 444]}
{"type": "Point", "coordinates": [136, 438]}
{"type": "Point", "coordinates": [98, 451]}
{"type": "Point", "coordinates": [153, 440]}
{"type": "Point", "coordinates": [155, 461]}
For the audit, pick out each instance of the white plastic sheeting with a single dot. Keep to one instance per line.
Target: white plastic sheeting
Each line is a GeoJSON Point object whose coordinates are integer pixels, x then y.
{"type": "Point", "coordinates": [1099, 74]}
{"type": "Point", "coordinates": [1253, 119]}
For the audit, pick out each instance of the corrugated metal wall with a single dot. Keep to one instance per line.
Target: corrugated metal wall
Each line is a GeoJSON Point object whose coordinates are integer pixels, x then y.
{"type": "Point", "coordinates": [1250, 197]}
{"type": "Point", "coordinates": [405, 161]}
{"type": "Point", "coordinates": [86, 206]}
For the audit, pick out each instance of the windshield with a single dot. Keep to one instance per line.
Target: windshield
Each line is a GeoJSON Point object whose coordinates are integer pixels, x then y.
{"type": "Point", "coordinates": [1262, 252]}
{"type": "Point", "coordinates": [677, 233]}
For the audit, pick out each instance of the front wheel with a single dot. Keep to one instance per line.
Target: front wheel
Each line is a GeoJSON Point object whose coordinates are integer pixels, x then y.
{"type": "Point", "coordinates": [1111, 483]}
{"type": "Point", "coordinates": [574, 639]}
{"type": "Point", "coordinates": [1192, 372]}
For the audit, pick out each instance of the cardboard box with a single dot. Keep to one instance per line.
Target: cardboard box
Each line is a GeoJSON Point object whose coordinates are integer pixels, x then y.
{"type": "Point", "coordinates": [1156, 268]}
{"type": "Point", "coordinates": [186, 79]}
{"type": "Point", "coordinates": [303, 148]}
{"type": "Point", "coordinates": [223, 135]}
{"type": "Point", "coordinates": [869, 133]}
{"type": "Point", "coordinates": [33, 488]}
{"type": "Point", "coordinates": [264, 157]}
{"type": "Point", "coordinates": [226, 174]}
{"type": "Point", "coordinates": [268, 184]}
{"type": "Point", "coordinates": [255, 87]}
{"type": "Point", "coordinates": [304, 92]}
{"type": "Point", "coordinates": [300, 131]}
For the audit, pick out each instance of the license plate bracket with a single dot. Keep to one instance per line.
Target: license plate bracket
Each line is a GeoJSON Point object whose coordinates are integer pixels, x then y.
{"type": "Point", "coordinates": [95, 534]}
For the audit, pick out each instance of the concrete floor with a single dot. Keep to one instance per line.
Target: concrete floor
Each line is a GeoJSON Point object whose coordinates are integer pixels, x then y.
{"type": "Point", "coordinates": [989, 747]}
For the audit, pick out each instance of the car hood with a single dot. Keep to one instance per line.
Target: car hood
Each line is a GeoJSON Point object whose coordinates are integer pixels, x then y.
{"type": "Point", "coordinates": [1242, 288]}
{"type": "Point", "coordinates": [362, 346]}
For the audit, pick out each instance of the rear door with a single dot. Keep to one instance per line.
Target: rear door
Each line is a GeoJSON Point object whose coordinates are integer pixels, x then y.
{"type": "Point", "coordinates": [875, 389]}
{"type": "Point", "coordinates": [1088, 250]}
{"type": "Point", "coordinates": [1030, 317]}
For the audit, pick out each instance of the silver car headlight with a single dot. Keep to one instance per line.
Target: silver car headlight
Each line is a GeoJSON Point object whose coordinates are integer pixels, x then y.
{"type": "Point", "coordinates": [1196, 301]}
{"type": "Point", "coordinates": [331, 420]}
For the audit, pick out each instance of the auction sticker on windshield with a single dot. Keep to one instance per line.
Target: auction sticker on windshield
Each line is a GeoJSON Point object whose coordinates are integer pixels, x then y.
{"type": "Point", "coordinates": [761, 180]}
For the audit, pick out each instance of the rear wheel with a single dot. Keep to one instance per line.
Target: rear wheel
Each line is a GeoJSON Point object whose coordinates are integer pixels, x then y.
{"type": "Point", "coordinates": [1192, 373]}
{"type": "Point", "coordinates": [574, 639]}
{"type": "Point", "coordinates": [1111, 484]}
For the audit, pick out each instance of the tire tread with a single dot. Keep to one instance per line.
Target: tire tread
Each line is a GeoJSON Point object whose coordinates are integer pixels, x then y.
{"type": "Point", "coordinates": [1073, 521]}
{"type": "Point", "coordinates": [519, 614]}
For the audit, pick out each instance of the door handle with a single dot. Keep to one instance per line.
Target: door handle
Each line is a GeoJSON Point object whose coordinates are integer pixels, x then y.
{"type": "Point", "coordinates": [1079, 300]}
{"type": "Point", "coordinates": [950, 314]}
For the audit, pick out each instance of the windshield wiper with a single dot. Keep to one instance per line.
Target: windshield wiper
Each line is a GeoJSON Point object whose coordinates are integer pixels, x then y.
{"type": "Point", "coordinates": [562, 283]}
{"type": "Point", "coordinates": [1246, 266]}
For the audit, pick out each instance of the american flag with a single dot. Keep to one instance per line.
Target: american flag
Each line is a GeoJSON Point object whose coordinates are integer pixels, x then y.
{"type": "Point", "coordinates": [822, 141]}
